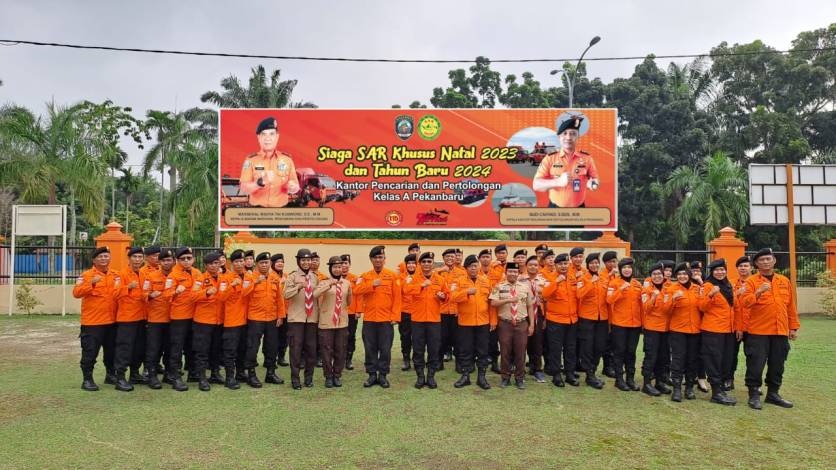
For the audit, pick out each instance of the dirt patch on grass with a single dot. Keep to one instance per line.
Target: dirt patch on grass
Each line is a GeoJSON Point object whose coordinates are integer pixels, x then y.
{"type": "Point", "coordinates": [15, 406]}
{"type": "Point", "coordinates": [37, 341]}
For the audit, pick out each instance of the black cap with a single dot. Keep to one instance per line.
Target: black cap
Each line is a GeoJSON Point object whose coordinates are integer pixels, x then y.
{"type": "Point", "coordinates": [303, 253]}
{"type": "Point", "coordinates": [276, 257]}
{"type": "Point", "coordinates": [717, 263]}
{"type": "Point", "coordinates": [548, 253]}
{"type": "Point", "coordinates": [608, 255]}
{"type": "Point", "coordinates": [532, 257]}
{"type": "Point", "coordinates": [591, 257]}
{"type": "Point", "coordinates": [448, 251]}
{"type": "Point", "coordinates": [668, 263]}
{"type": "Point", "coordinates": [236, 255]}
{"type": "Point", "coordinates": [741, 260]}
{"type": "Point", "coordinates": [263, 256]}
{"type": "Point", "coordinates": [425, 255]}
{"type": "Point", "coordinates": [763, 252]}
{"type": "Point", "coordinates": [152, 250]}
{"type": "Point", "coordinates": [500, 247]}
{"type": "Point", "coordinates": [166, 253]}
{"type": "Point", "coordinates": [486, 251]}
{"type": "Point", "coordinates": [576, 251]}
{"type": "Point", "coordinates": [511, 265]}
{"type": "Point", "coordinates": [249, 254]}
{"type": "Point", "coordinates": [658, 267]}
{"type": "Point", "coordinates": [683, 267]}
{"type": "Point", "coordinates": [100, 250]}
{"type": "Point", "coordinates": [211, 257]}
{"type": "Point", "coordinates": [470, 260]}
{"type": "Point", "coordinates": [574, 122]}
{"type": "Point", "coordinates": [560, 258]}
{"type": "Point", "coordinates": [522, 252]}
{"type": "Point", "coordinates": [541, 247]}
{"type": "Point", "coordinates": [314, 255]}
{"type": "Point", "coordinates": [135, 250]}
{"type": "Point", "coordinates": [624, 262]}
{"type": "Point", "coordinates": [409, 257]}
{"type": "Point", "coordinates": [377, 251]}
{"type": "Point", "coordinates": [458, 251]}
{"type": "Point", "coordinates": [346, 257]}
{"type": "Point", "coordinates": [696, 264]}
{"type": "Point", "coordinates": [413, 246]}
{"type": "Point", "coordinates": [182, 251]}
{"type": "Point", "coordinates": [267, 123]}
{"type": "Point", "coordinates": [334, 260]}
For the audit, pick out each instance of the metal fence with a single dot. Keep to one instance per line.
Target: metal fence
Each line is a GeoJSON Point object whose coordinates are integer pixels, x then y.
{"type": "Point", "coordinates": [808, 265]}
{"type": "Point", "coordinates": [645, 259]}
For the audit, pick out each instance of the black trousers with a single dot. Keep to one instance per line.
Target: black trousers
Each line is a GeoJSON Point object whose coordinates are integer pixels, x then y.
{"type": "Point", "coordinates": [351, 341]}
{"type": "Point", "coordinates": [235, 347]}
{"type": "Point", "coordinates": [301, 338]}
{"type": "Point", "coordinates": [472, 347]}
{"type": "Point", "coordinates": [405, 332]}
{"type": "Point", "coordinates": [130, 345]}
{"type": "Point", "coordinates": [156, 341]}
{"type": "Point", "coordinates": [536, 345]}
{"type": "Point", "coordinates": [717, 351]}
{"type": "Point", "coordinates": [281, 340]}
{"type": "Point", "coordinates": [625, 340]}
{"type": "Point", "coordinates": [592, 338]}
{"type": "Point", "coordinates": [449, 324]}
{"type": "Point", "coordinates": [608, 358]}
{"type": "Point", "coordinates": [426, 337]}
{"type": "Point", "coordinates": [377, 342]}
{"type": "Point", "coordinates": [94, 338]}
{"type": "Point", "coordinates": [179, 335]}
{"type": "Point", "coordinates": [202, 335]}
{"type": "Point", "coordinates": [768, 351]}
{"type": "Point", "coordinates": [493, 345]}
{"type": "Point", "coordinates": [562, 340]}
{"type": "Point", "coordinates": [735, 356]}
{"type": "Point", "coordinates": [216, 349]}
{"type": "Point", "coordinates": [656, 355]}
{"type": "Point", "coordinates": [256, 330]}
{"type": "Point", "coordinates": [685, 348]}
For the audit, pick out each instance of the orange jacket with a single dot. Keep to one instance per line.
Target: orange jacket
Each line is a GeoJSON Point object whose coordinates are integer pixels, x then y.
{"type": "Point", "coordinates": [238, 299]}
{"type": "Point", "coordinates": [573, 274]}
{"type": "Point", "coordinates": [625, 305]}
{"type": "Point", "coordinates": [98, 302]}
{"type": "Point", "coordinates": [208, 308]}
{"type": "Point", "coordinates": [182, 304]}
{"type": "Point", "coordinates": [473, 308]}
{"type": "Point", "coordinates": [592, 297]}
{"type": "Point", "coordinates": [452, 279]}
{"type": "Point", "coordinates": [496, 273]}
{"type": "Point", "coordinates": [382, 302]}
{"type": "Point", "coordinates": [773, 312]}
{"type": "Point", "coordinates": [356, 305]}
{"type": "Point", "coordinates": [130, 302]}
{"type": "Point", "coordinates": [264, 299]}
{"type": "Point", "coordinates": [426, 306]}
{"type": "Point", "coordinates": [158, 308]}
{"type": "Point", "coordinates": [561, 301]}
{"type": "Point", "coordinates": [717, 314]}
{"type": "Point", "coordinates": [655, 311]}
{"type": "Point", "coordinates": [407, 300]}
{"type": "Point", "coordinates": [741, 312]}
{"type": "Point", "coordinates": [685, 312]}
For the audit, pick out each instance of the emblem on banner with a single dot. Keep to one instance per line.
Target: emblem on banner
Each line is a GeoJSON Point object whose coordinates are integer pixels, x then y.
{"type": "Point", "coordinates": [429, 127]}
{"type": "Point", "coordinates": [394, 218]}
{"type": "Point", "coordinates": [404, 127]}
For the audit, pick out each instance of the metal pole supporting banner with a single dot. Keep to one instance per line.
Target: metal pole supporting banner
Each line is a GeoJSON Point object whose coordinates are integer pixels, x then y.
{"type": "Point", "coordinates": [64, 261]}
{"type": "Point", "coordinates": [12, 263]}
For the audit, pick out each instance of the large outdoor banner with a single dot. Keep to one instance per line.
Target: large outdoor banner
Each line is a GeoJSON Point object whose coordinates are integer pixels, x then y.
{"type": "Point", "coordinates": [437, 169]}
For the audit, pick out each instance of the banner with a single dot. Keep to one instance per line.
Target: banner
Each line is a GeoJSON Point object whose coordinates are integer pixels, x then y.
{"type": "Point", "coordinates": [435, 169]}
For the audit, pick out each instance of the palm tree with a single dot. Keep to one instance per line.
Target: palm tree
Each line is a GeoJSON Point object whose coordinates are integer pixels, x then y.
{"type": "Point", "coordinates": [129, 185]}
{"type": "Point", "coordinates": [714, 196]}
{"type": "Point", "coordinates": [259, 94]}
{"type": "Point", "coordinates": [197, 190]}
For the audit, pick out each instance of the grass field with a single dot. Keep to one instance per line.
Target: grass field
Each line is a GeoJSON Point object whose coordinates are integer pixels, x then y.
{"type": "Point", "coordinates": [47, 421]}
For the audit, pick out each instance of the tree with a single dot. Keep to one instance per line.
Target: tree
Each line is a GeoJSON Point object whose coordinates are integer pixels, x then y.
{"type": "Point", "coordinates": [128, 185]}
{"type": "Point", "coordinates": [260, 93]}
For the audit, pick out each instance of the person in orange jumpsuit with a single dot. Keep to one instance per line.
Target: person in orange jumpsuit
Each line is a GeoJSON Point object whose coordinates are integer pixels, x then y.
{"type": "Point", "coordinates": [684, 337]}
{"type": "Point", "coordinates": [428, 292]}
{"type": "Point", "coordinates": [410, 265]}
{"type": "Point", "coordinates": [717, 330]}
{"type": "Point", "coordinates": [539, 251]}
{"type": "Point", "coordinates": [268, 176]}
{"type": "Point", "coordinates": [451, 274]}
{"type": "Point", "coordinates": [495, 276]}
{"type": "Point", "coordinates": [610, 271]}
{"type": "Point", "coordinates": [160, 290]}
{"type": "Point", "coordinates": [130, 322]}
{"type": "Point", "coordinates": [208, 315]}
{"type": "Point", "coordinates": [771, 321]}
{"type": "Point", "coordinates": [412, 249]}
{"type": "Point", "coordinates": [333, 298]}
{"type": "Point", "coordinates": [355, 311]}
{"type": "Point", "coordinates": [240, 285]}
{"type": "Point", "coordinates": [624, 298]}
{"type": "Point", "coordinates": [277, 264]}
{"type": "Point", "coordinates": [96, 288]}
{"type": "Point", "coordinates": [655, 328]}
{"type": "Point", "coordinates": [474, 324]}
{"type": "Point", "coordinates": [593, 318]}
{"type": "Point", "coordinates": [183, 276]}
{"type": "Point", "coordinates": [265, 311]}
{"type": "Point", "coordinates": [744, 270]}
{"type": "Point", "coordinates": [567, 173]}
{"type": "Point", "coordinates": [381, 289]}
{"type": "Point", "coordinates": [561, 300]}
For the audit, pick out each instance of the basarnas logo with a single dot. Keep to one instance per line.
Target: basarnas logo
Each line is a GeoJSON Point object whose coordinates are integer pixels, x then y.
{"type": "Point", "coordinates": [404, 127]}
{"type": "Point", "coordinates": [429, 127]}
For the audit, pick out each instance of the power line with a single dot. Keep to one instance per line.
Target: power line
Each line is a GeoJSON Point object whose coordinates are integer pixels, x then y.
{"type": "Point", "coordinates": [15, 42]}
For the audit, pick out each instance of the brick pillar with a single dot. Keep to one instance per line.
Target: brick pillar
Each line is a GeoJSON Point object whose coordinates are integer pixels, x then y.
{"type": "Point", "coordinates": [830, 248]}
{"type": "Point", "coordinates": [118, 242]}
{"type": "Point", "coordinates": [729, 247]}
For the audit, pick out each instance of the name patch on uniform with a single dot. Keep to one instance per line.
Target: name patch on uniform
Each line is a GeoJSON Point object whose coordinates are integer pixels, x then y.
{"type": "Point", "coordinates": [168, 282]}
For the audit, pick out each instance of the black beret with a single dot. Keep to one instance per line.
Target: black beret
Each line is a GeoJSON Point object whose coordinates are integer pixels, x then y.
{"type": "Point", "coordinates": [608, 255]}
{"type": "Point", "coordinates": [166, 253]}
{"type": "Point", "coordinates": [426, 254]}
{"type": "Point", "coordinates": [135, 250]}
{"type": "Point", "coordinates": [211, 257]}
{"type": "Point", "coordinates": [182, 251]}
{"type": "Point", "coordinates": [511, 265]}
{"type": "Point", "coordinates": [522, 252]}
{"type": "Point", "coordinates": [100, 250]}
{"type": "Point", "coordinates": [574, 122]}
{"type": "Point", "coordinates": [486, 251]}
{"type": "Point", "coordinates": [763, 252]}
{"type": "Point", "coordinates": [560, 258]}
{"type": "Point", "coordinates": [499, 248]}
{"type": "Point", "coordinates": [470, 260]}
{"type": "Point", "coordinates": [658, 267]}
{"type": "Point", "coordinates": [548, 253]}
{"type": "Point", "coordinates": [221, 252]}
{"type": "Point", "coordinates": [314, 255]}
{"type": "Point", "coordinates": [541, 247]}
{"type": "Point", "coordinates": [624, 262]}
{"type": "Point", "coordinates": [682, 267]}
{"type": "Point", "coordinates": [249, 253]}
{"type": "Point", "coordinates": [530, 258]}
{"type": "Point", "coordinates": [409, 257]}
{"type": "Point", "coordinates": [413, 246]}
{"type": "Point", "coordinates": [741, 260]}
{"type": "Point", "coordinates": [303, 253]}
{"type": "Point", "coordinates": [591, 257]}
{"type": "Point", "coordinates": [717, 263]}
{"type": "Point", "coordinates": [377, 251]}
{"type": "Point", "coordinates": [152, 250]}
{"type": "Point", "coordinates": [575, 252]}
{"type": "Point", "coordinates": [459, 251]}
{"type": "Point", "coordinates": [236, 255]}
{"type": "Point", "coordinates": [267, 123]}
{"type": "Point", "coordinates": [346, 257]}
{"type": "Point", "coordinates": [448, 251]}
{"type": "Point", "coordinates": [263, 256]}
{"type": "Point", "coordinates": [668, 263]}
{"type": "Point", "coordinates": [334, 260]}
{"type": "Point", "coordinates": [696, 264]}
{"type": "Point", "coordinates": [276, 257]}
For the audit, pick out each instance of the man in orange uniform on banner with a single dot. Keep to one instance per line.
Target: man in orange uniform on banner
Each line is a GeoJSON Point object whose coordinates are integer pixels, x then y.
{"type": "Point", "coordinates": [268, 176]}
{"type": "Point", "coordinates": [130, 322]}
{"type": "Point", "coordinates": [568, 173]}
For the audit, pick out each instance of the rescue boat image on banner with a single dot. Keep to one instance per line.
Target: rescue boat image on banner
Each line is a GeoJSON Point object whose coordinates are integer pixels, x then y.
{"type": "Point", "coordinates": [433, 169]}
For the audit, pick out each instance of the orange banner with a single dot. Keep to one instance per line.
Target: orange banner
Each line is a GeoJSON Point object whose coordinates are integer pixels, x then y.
{"type": "Point", "coordinates": [435, 169]}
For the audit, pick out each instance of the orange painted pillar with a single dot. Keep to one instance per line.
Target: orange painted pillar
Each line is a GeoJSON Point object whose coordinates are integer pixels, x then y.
{"type": "Point", "coordinates": [729, 247]}
{"type": "Point", "coordinates": [610, 240]}
{"type": "Point", "coordinates": [118, 242]}
{"type": "Point", "coordinates": [830, 248]}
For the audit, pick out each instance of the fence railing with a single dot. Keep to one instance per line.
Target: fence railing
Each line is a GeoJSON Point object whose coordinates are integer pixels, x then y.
{"type": "Point", "coordinates": [645, 259]}
{"type": "Point", "coordinates": [808, 265]}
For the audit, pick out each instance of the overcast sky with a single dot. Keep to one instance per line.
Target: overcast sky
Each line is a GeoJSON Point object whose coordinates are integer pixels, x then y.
{"type": "Point", "coordinates": [449, 29]}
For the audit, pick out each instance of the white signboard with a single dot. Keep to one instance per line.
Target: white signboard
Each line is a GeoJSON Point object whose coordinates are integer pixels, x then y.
{"type": "Point", "coordinates": [814, 194]}
{"type": "Point", "coordinates": [39, 220]}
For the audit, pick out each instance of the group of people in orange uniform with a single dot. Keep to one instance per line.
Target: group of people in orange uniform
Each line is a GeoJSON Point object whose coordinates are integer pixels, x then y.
{"type": "Point", "coordinates": [555, 314]}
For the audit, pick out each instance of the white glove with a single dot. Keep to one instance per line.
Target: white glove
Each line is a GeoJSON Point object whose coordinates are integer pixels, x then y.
{"type": "Point", "coordinates": [592, 184]}
{"type": "Point", "coordinates": [562, 180]}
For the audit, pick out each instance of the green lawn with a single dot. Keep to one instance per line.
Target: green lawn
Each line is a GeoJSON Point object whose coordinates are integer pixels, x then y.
{"type": "Point", "coordinates": [47, 421]}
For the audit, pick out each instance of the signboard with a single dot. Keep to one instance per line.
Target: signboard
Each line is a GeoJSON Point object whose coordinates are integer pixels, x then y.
{"type": "Point", "coordinates": [39, 220]}
{"type": "Point", "coordinates": [434, 169]}
{"type": "Point", "coordinates": [813, 191]}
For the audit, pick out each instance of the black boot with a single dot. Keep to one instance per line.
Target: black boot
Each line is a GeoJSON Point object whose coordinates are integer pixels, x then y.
{"type": "Point", "coordinates": [282, 361]}
{"type": "Point", "coordinates": [216, 377]}
{"type": "Point", "coordinates": [773, 398]}
{"type": "Point", "coordinates": [371, 381]}
{"type": "Point", "coordinates": [88, 384]}
{"type": "Point", "coordinates": [504, 382]}
{"type": "Point", "coordinates": [557, 380]}
{"type": "Point", "coordinates": [329, 382]}
{"type": "Point", "coordinates": [572, 379]}
{"type": "Point", "coordinates": [728, 385]}
{"type": "Point", "coordinates": [383, 381]}
{"type": "Point", "coordinates": [631, 382]}
{"type": "Point", "coordinates": [153, 380]}
{"type": "Point", "coordinates": [482, 380]}
{"type": "Point", "coordinates": [676, 394]}
{"type": "Point", "coordinates": [520, 384]}
{"type": "Point", "coordinates": [137, 378]}
{"type": "Point", "coordinates": [110, 377]}
{"type": "Point", "coordinates": [420, 381]}
{"type": "Point", "coordinates": [495, 366]}
{"type": "Point", "coordinates": [593, 381]}
{"type": "Point", "coordinates": [649, 389]}
{"type": "Point", "coordinates": [202, 382]}
{"type": "Point", "coordinates": [178, 384]}
{"type": "Point", "coordinates": [319, 362]}
{"type": "Point", "coordinates": [718, 395]}
{"type": "Point", "coordinates": [121, 384]}
{"type": "Point", "coordinates": [240, 375]}
{"type": "Point", "coordinates": [252, 379]}
{"type": "Point", "coordinates": [406, 363]}
{"type": "Point", "coordinates": [231, 383]}
{"type": "Point", "coordinates": [295, 383]}
{"type": "Point", "coordinates": [431, 379]}
{"type": "Point", "coordinates": [348, 364]}
{"type": "Point", "coordinates": [272, 378]}
{"type": "Point", "coordinates": [689, 391]}
{"type": "Point", "coordinates": [308, 381]}
{"type": "Point", "coordinates": [755, 398]}
{"type": "Point", "coordinates": [337, 382]}
{"type": "Point", "coordinates": [193, 377]}
{"type": "Point", "coordinates": [621, 384]}
{"type": "Point", "coordinates": [609, 371]}
{"type": "Point", "coordinates": [463, 381]}
{"type": "Point", "coordinates": [663, 389]}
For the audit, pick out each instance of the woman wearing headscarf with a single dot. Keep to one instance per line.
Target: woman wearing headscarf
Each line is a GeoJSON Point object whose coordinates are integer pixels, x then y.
{"type": "Point", "coordinates": [624, 296]}
{"type": "Point", "coordinates": [717, 330]}
{"type": "Point", "coordinates": [684, 337]}
{"type": "Point", "coordinates": [334, 298]}
{"type": "Point", "coordinates": [655, 321]}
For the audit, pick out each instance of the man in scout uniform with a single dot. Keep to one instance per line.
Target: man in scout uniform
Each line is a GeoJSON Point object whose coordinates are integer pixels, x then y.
{"type": "Point", "coordinates": [427, 291]}
{"type": "Point", "coordinates": [240, 285]}
{"type": "Point", "coordinates": [160, 290]}
{"type": "Point", "coordinates": [207, 319]}
{"type": "Point", "coordinates": [268, 176]}
{"type": "Point", "coordinates": [266, 310]}
{"type": "Point", "coordinates": [302, 317]}
{"type": "Point", "coordinates": [130, 322]}
{"type": "Point", "coordinates": [514, 303]}
{"type": "Point", "coordinates": [567, 173]}
{"type": "Point", "coordinates": [355, 311]}
{"type": "Point", "coordinates": [473, 317]}
{"type": "Point", "coordinates": [96, 288]}
{"type": "Point", "coordinates": [333, 298]}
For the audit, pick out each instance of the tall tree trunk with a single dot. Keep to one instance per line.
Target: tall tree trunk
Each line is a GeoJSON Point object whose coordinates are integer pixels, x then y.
{"type": "Point", "coordinates": [217, 238]}
{"type": "Point", "coordinates": [128, 212]}
{"type": "Point", "coordinates": [72, 217]}
{"type": "Point", "coordinates": [172, 185]}
{"type": "Point", "coordinates": [158, 236]}
{"type": "Point", "coordinates": [112, 193]}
